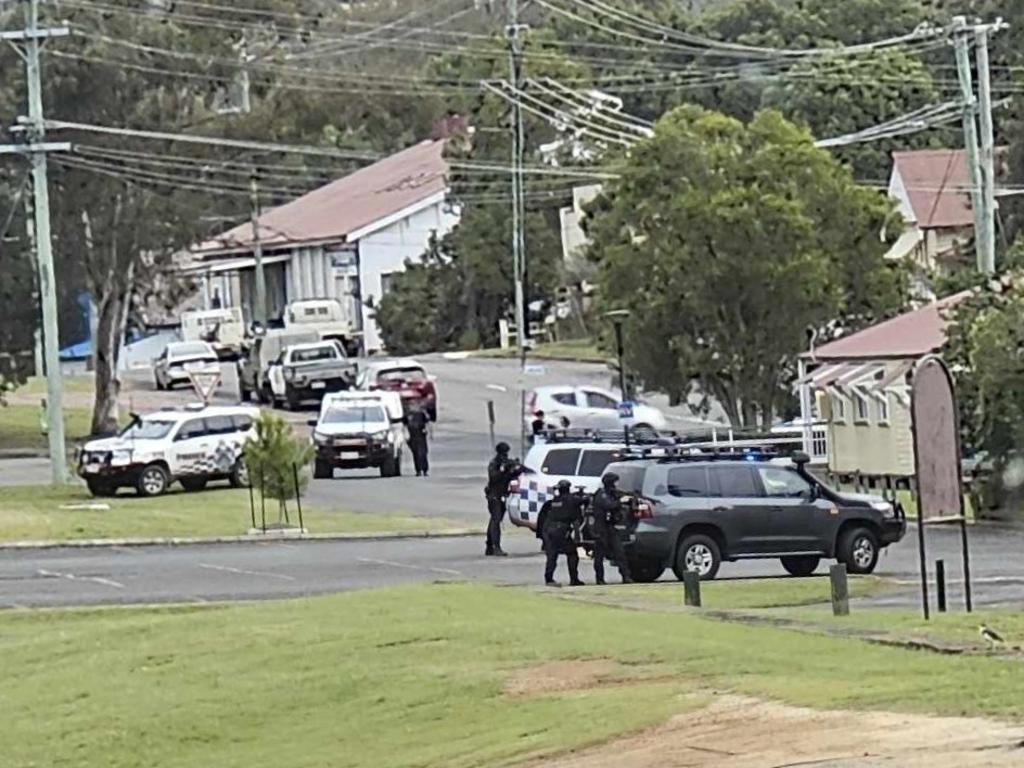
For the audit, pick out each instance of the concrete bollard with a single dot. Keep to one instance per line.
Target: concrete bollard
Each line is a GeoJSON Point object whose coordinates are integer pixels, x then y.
{"type": "Point", "coordinates": [840, 590]}
{"type": "Point", "coordinates": [691, 587]}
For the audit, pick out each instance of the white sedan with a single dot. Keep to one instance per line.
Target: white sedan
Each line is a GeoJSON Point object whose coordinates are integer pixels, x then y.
{"type": "Point", "coordinates": [591, 408]}
{"type": "Point", "coordinates": [179, 359]}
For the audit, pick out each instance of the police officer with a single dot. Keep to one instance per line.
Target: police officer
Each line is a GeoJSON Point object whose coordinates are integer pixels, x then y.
{"type": "Point", "coordinates": [563, 514]}
{"type": "Point", "coordinates": [538, 425]}
{"type": "Point", "coordinates": [606, 510]}
{"type": "Point", "coordinates": [500, 473]}
{"type": "Point", "coordinates": [416, 422]}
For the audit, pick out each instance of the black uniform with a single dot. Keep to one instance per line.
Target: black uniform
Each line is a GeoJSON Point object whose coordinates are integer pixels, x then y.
{"type": "Point", "coordinates": [500, 473]}
{"type": "Point", "coordinates": [416, 422]}
{"type": "Point", "coordinates": [606, 510]}
{"type": "Point", "coordinates": [561, 516]}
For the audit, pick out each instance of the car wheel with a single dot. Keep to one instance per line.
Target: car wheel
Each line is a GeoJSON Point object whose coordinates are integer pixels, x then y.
{"type": "Point", "coordinates": [387, 469]}
{"type": "Point", "coordinates": [239, 477]}
{"type": "Point", "coordinates": [801, 565]}
{"type": "Point", "coordinates": [291, 399]}
{"type": "Point", "coordinates": [322, 470]}
{"type": "Point", "coordinates": [698, 553]}
{"type": "Point", "coordinates": [156, 382]}
{"type": "Point", "coordinates": [192, 484]}
{"type": "Point", "coordinates": [645, 571]}
{"type": "Point", "coordinates": [858, 549]}
{"type": "Point", "coordinates": [101, 488]}
{"type": "Point", "coordinates": [153, 481]}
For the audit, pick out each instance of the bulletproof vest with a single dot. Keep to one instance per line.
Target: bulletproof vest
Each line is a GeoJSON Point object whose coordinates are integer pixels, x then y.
{"type": "Point", "coordinates": [563, 510]}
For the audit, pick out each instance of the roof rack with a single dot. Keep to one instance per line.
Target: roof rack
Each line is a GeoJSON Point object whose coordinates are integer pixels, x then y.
{"type": "Point", "coordinates": [683, 453]}
{"type": "Point", "coordinates": [581, 435]}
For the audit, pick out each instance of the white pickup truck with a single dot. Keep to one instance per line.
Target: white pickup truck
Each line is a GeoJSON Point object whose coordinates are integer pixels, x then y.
{"type": "Point", "coordinates": [357, 430]}
{"type": "Point", "coordinates": [325, 316]}
{"type": "Point", "coordinates": [308, 372]}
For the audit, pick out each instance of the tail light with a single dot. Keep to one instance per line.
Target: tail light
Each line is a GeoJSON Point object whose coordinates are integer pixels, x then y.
{"type": "Point", "coordinates": [644, 510]}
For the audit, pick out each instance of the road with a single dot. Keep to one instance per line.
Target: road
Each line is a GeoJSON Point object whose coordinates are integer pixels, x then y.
{"type": "Point", "coordinates": [266, 570]}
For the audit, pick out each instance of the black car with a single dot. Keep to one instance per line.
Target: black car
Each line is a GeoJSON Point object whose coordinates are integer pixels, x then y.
{"type": "Point", "coordinates": [691, 513]}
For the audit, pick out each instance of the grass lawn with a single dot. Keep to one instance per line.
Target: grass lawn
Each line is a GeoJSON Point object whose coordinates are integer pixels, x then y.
{"type": "Point", "coordinates": [583, 350]}
{"type": "Point", "coordinates": [725, 594]}
{"type": "Point", "coordinates": [34, 513]}
{"type": "Point", "coordinates": [416, 677]}
{"type": "Point", "coordinates": [36, 385]}
{"type": "Point", "coordinates": [20, 426]}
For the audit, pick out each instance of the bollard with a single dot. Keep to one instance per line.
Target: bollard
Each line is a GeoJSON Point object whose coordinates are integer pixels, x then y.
{"type": "Point", "coordinates": [940, 584]}
{"type": "Point", "coordinates": [691, 587]}
{"type": "Point", "coordinates": [491, 420]}
{"type": "Point", "coordinates": [840, 590]}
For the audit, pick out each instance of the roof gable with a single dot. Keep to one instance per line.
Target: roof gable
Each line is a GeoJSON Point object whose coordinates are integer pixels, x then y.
{"type": "Point", "coordinates": [936, 184]}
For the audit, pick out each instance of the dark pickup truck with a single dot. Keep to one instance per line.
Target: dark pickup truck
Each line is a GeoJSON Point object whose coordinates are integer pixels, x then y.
{"type": "Point", "coordinates": [693, 512]}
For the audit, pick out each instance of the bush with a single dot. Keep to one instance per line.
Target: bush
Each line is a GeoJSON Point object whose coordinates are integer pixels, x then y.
{"type": "Point", "coordinates": [273, 456]}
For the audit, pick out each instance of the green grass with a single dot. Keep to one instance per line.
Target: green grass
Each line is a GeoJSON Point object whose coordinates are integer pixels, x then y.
{"type": "Point", "coordinates": [415, 677]}
{"type": "Point", "coordinates": [20, 426]}
{"type": "Point", "coordinates": [583, 350]}
{"type": "Point", "coordinates": [33, 513]}
{"type": "Point", "coordinates": [36, 385]}
{"type": "Point", "coordinates": [745, 593]}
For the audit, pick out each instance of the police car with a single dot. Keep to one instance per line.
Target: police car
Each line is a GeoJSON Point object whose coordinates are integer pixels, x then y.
{"type": "Point", "coordinates": [192, 445]}
{"type": "Point", "coordinates": [574, 455]}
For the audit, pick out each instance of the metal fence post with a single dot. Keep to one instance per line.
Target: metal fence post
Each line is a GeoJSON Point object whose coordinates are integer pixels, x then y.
{"type": "Point", "coordinates": [298, 496]}
{"type": "Point", "coordinates": [940, 584]}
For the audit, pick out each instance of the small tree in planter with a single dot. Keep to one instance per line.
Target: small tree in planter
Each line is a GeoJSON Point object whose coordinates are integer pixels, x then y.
{"type": "Point", "coordinates": [272, 459]}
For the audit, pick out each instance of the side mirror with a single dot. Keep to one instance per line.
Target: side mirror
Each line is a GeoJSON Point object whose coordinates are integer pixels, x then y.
{"type": "Point", "coordinates": [312, 422]}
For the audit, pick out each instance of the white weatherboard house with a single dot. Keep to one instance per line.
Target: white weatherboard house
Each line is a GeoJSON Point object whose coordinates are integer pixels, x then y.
{"type": "Point", "coordinates": [342, 241]}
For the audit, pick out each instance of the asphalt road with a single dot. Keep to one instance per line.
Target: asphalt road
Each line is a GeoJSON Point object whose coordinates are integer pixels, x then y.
{"type": "Point", "coordinates": [459, 451]}
{"type": "Point", "coordinates": [267, 570]}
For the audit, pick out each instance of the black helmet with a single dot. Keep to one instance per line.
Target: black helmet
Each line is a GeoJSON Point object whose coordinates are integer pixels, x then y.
{"type": "Point", "coordinates": [564, 486]}
{"type": "Point", "coordinates": [502, 449]}
{"type": "Point", "coordinates": [610, 479]}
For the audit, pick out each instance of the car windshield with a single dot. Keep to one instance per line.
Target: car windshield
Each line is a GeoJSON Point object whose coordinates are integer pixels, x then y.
{"type": "Point", "coordinates": [189, 350]}
{"type": "Point", "coordinates": [312, 355]}
{"type": "Point", "coordinates": [402, 374]}
{"type": "Point", "coordinates": [148, 429]}
{"type": "Point", "coordinates": [354, 415]}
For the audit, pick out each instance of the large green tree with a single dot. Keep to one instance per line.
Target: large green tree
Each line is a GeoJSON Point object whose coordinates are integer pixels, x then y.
{"type": "Point", "coordinates": [729, 241]}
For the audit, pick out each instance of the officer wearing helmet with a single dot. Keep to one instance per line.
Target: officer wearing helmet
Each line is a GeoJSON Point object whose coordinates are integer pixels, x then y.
{"type": "Point", "coordinates": [560, 518]}
{"type": "Point", "coordinates": [607, 509]}
{"type": "Point", "coordinates": [500, 473]}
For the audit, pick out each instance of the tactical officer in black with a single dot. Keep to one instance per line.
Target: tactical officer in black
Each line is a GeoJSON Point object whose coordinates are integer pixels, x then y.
{"type": "Point", "coordinates": [500, 473]}
{"type": "Point", "coordinates": [560, 518]}
{"type": "Point", "coordinates": [607, 509]}
{"type": "Point", "coordinates": [417, 422]}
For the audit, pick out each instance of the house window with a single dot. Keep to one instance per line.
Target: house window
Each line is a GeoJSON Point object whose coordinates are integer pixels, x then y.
{"type": "Point", "coordinates": [861, 404]}
{"type": "Point", "coordinates": [838, 408]}
{"type": "Point", "coordinates": [883, 409]}
{"type": "Point", "coordinates": [386, 283]}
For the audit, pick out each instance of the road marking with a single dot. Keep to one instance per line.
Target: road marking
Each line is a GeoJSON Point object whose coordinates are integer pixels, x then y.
{"type": "Point", "coordinates": [497, 387]}
{"type": "Point", "coordinates": [243, 572]}
{"type": "Point", "coordinates": [72, 577]}
{"type": "Point", "coordinates": [407, 566]}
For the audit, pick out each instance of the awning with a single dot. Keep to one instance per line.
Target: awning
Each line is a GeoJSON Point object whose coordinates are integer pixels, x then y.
{"type": "Point", "coordinates": [905, 244]}
{"type": "Point", "coordinates": [218, 266]}
{"type": "Point", "coordinates": [823, 376]}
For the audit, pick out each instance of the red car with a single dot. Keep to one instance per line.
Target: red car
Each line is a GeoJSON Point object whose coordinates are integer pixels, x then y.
{"type": "Point", "coordinates": [406, 377]}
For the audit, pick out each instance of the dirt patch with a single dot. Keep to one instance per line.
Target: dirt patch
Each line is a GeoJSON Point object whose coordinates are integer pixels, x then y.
{"type": "Point", "coordinates": [559, 676]}
{"type": "Point", "coordinates": [739, 732]}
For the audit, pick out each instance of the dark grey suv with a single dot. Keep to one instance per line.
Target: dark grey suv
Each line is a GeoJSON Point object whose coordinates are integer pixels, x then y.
{"type": "Point", "coordinates": [691, 513]}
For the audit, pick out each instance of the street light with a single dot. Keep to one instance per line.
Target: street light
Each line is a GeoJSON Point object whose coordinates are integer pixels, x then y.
{"type": "Point", "coordinates": [618, 317]}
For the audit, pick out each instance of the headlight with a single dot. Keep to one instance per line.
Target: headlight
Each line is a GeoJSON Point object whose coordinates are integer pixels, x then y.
{"type": "Point", "coordinates": [120, 458]}
{"type": "Point", "coordinates": [884, 507]}
{"type": "Point", "coordinates": [320, 438]}
{"type": "Point", "coordinates": [384, 434]}
{"type": "Point", "coordinates": [289, 373]}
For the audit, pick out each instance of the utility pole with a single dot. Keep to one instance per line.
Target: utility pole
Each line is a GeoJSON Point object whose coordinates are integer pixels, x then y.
{"type": "Point", "coordinates": [988, 148]}
{"type": "Point", "coordinates": [259, 313]}
{"type": "Point", "coordinates": [515, 50]}
{"type": "Point", "coordinates": [32, 37]}
{"type": "Point", "coordinates": [961, 42]}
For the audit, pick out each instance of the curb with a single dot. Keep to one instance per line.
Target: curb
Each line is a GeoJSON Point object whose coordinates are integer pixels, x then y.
{"type": "Point", "coordinates": [454, 533]}
{"type": "Point", "coordinates": [23, 453]}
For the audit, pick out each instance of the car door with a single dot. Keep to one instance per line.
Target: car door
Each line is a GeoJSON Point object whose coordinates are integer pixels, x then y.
{"type": "Point", "coordinates": [564, 405]}
{"type": "Point", "coordinates": [592, 465]}
{"type": "Point", "coordinates": [191, 449]}
{"type": "Point", "coordinates": [224, 442]}
{"type": "Point", "coordinates": [683, 498]}
{"type": "Point", "coordinates": [740, 509]}
{"type": "Point", "coordinates": [796, 514]}
{"type": "Point", "coordinates": [602, 411]}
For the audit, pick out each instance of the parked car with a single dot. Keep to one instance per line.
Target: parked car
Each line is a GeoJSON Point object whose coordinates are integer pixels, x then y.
{"type": "Point", "coordinates": [180, 358]}
{"type": "Point", "coordinates": [308, 372]}
{"type": "Point", "coordinates": [258, 355]}
{"type": "Point", "coordinates": [192, 445]}
{"type": "Point", "coordinates": [357, 430]}
{"type": "Point", "coordinates": [406, 377]}
{"type": "Point", "coordinates": [591, 408]}
{"type": "Point", "coordinates": [693, 512]}
{"type": "Point", "coordinates": [223, 329]}
{"type": "Point", "coordinates": [572, 457]}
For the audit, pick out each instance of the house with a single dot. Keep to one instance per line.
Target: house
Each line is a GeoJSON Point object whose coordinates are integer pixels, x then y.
{"type": "Point", "coordinates": [344, 240]}
{"type": "Point", "coordinates": [932, 190]}
{"type": "Point", "coordinates": [859, 385]}
{"type": "Point", "coordinates": [574, 239]}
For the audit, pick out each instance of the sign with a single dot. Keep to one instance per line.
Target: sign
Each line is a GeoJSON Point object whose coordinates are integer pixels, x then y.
{"type": "Point", "coordinates": [535, 370]}
{"type": "Point", "coordinates": [626, 410]}
{"type": "Point", "coordinates": [205, 382]}
{"type": "Point", "coordinates": [936, 441]}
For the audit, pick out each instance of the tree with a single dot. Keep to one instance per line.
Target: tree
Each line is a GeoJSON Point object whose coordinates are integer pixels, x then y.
{"type": "Point", "coordinates": [273, 457]}
{"type": "Point", "coordinates": [728, 242]}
